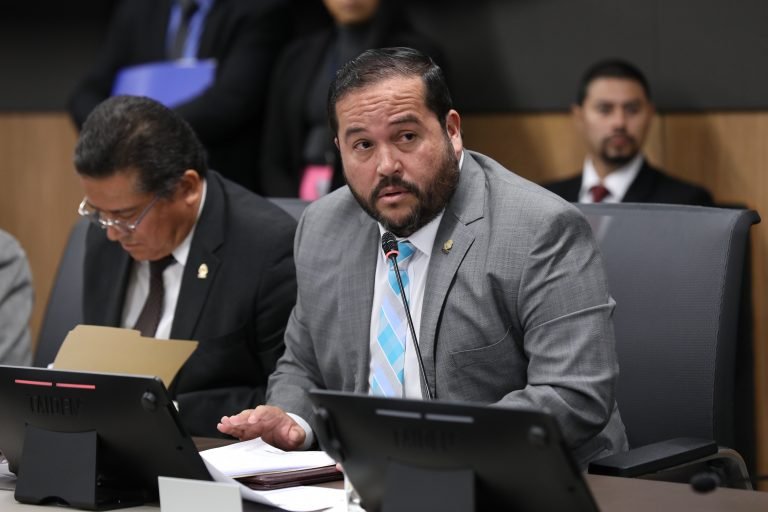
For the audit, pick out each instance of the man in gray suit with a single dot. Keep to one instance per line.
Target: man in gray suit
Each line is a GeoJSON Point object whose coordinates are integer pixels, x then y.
{"type": "Point", "coordinates": [506, 284]}
{"type": "Point", "coordinates": [15, 302]}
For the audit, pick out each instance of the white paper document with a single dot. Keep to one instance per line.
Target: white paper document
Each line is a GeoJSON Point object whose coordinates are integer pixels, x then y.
{"type": "Point", "coordinates": [256, 456]}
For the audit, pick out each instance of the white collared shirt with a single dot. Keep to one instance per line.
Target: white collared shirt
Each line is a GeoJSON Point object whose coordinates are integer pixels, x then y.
{"type": "Point", "coordinates": [138, 284]}
{"type": "Point", "coordinates": [617, 182]}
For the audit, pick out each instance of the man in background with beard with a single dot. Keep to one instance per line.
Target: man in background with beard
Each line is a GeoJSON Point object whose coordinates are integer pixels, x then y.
{"type": "Point", "coordinates": [504, 280]}
{"type": "Point", "coordinates": [613, 112]}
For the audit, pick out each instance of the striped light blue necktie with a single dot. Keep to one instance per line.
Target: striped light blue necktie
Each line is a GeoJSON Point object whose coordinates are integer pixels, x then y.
{"type": "Point", "coordinates": [388, 353]}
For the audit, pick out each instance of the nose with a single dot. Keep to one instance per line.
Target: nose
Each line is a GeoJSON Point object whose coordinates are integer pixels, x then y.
{"type": "Point", "coordinates": [388, 162]}
{"type": "Point", "coordinates": [619, 119]}
{"type": "Point", "coordinates": [114, 234]}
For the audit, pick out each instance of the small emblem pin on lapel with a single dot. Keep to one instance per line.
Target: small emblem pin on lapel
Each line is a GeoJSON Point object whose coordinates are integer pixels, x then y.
{"type": "Point", "coordinates": [202, 271]}
{"type": "Point", "coordinates": [447, 246]}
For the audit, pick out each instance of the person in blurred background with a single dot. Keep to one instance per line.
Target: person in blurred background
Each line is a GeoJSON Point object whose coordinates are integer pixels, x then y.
{"type": "Point", "coordinates": [16, 297]}
{"type": "Point", "coordinates": [298, 157]}
{"type": "Point", "coordinates": [613, 112]}
{"type": "Point", "coordinates": [244, 38]}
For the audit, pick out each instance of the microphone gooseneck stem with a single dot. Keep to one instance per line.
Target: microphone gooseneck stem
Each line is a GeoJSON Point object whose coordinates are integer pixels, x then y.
{"type": "Point", "coordinates": [410, 326]}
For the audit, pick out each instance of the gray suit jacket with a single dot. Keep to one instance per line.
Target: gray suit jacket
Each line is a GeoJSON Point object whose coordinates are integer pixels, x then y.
{"type": "Point", "coordinates": [15, 303]}
{"type": "Point", "coordinates": [516, 314]}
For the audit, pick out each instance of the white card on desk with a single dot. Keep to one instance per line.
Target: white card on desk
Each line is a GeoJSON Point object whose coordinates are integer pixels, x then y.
{"type": "Point", "coordinates": [183, 495]}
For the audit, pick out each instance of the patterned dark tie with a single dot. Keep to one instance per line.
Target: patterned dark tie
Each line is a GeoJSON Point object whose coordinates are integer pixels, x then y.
{"type": "Point", "coordinates": [188, 9]}
{"type": "Point", "coordinates": [150, 314]}
{"type": "Point", "coordinates": [599, 192]}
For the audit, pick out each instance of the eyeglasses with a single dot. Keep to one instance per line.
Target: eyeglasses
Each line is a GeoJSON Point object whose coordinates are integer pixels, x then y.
{"type": "Point", "coordinates": [124, 227]}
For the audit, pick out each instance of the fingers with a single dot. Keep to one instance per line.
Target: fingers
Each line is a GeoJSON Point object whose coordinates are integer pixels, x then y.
{"type": "Point", "coordinates": [268, 422]}
{"type": "Point", "coordinates": [233, 425]}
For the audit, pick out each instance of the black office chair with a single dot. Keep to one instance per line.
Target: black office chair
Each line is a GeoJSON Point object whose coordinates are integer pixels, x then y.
{"type": "Point", "coordinates": [676, 274]}
{"type": "Point", "coordinates": [64, 308]}
{"type": "Point", "coordinates": [293, 205]}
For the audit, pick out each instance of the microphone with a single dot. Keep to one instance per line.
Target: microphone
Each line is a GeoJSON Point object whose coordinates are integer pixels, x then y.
{"type": "Point", "coordinates": [389, 246]}
{"type": "Point", "coordinates": [707, 481]}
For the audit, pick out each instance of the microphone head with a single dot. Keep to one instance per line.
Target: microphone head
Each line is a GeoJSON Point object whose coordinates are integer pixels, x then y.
{"type": "Point", "coordinates": [389, 245]}
{"type": "Point", "coordinates": [705, 482]}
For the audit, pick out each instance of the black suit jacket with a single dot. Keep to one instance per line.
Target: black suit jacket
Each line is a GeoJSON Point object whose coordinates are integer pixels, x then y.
{"type": "Point", "coordinates": [244, 36]}
{"type": "Point", "coordinates": [238, 312]}
{"type": "Point", "coordinates": [282, 147]}
{"type": "Point", "coordinates": [651, 185]}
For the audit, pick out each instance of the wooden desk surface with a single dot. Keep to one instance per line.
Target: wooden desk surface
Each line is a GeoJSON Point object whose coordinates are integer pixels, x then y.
{"type": "Point", "coordinates": [611, 494]}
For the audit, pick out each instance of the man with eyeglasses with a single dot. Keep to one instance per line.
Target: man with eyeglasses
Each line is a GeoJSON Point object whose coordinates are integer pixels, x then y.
{"type": "Point", "coordinates": [178, 251]}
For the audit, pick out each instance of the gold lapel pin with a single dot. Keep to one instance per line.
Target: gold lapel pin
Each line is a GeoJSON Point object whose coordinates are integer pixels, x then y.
{"type": "Point", "coordinates": [447, 246]}
{"type": "Point", "coordinates": [202, 271]}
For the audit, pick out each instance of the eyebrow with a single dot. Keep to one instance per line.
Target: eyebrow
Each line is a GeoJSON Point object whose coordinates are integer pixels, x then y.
{"type": "Point", "coordinates": [119, 211]}
{"type": "Point", "coordinates": [404, 119]}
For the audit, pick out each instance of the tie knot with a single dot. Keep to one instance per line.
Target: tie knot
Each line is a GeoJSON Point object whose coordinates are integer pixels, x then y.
{"type": "Point", "coordinates": [405, 251]}
{"type": "Point", "coordinates": [599, 192]}
{"type": "Point", "coordinates": [157, 267]}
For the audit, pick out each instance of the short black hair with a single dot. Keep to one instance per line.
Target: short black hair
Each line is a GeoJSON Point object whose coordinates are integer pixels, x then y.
{"type": "Point", "coordinates": [373, 66]}
{"type": "Point", "coordinates": [611, 68]}
{"type": "Point", "coordinates": [136, 133]}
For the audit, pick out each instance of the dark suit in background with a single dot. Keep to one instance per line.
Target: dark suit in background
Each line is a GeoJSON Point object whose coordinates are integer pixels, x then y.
{"type": "Point", "coordinates": [651, 185]}
{"type": "Point", "coordinates": [237, 312]}
{"type": "Point", "coordinates": [244, 36]}
{"type": "Point", "coordinates": [294, 81]}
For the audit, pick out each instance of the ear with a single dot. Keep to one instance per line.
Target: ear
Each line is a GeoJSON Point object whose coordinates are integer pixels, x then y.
{"type": "Point", "coordinates": [453, 129]}
{"type": "Point", "coordinates": [336, 141]}
{"type": "Point", "coordinates": [577, 114]}
{"type": "Point", "coordinates": [191, 187]}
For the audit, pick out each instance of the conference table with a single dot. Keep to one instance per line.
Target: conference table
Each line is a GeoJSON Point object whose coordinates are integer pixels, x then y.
{"type": "Point", "coordinates": [611, 493]}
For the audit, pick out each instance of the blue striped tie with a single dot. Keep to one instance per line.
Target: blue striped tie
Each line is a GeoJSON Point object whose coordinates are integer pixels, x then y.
{"type": "Point", "coordinates": [388, 354]}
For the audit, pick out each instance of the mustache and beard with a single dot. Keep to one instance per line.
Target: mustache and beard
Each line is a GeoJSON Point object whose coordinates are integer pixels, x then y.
{"type": "Point", "coordinates": [430, 201]}
{"type": "Point", "coordinates": [622, 155]}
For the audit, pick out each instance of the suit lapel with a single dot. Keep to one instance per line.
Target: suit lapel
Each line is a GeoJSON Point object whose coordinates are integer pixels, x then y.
{"type": "Point", "coordinates": [642, 186]}
{"type": "Point", "coordinates": [214, 20]}
{"type": "Point", "coordinates": [356, 299]}
{"type": "Point", "coordinates": [453, 240]}
{"type": "Point", "coordinates": [203, 264]}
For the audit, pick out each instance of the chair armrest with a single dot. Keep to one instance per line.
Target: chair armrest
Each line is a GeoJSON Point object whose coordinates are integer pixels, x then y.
{"type": "Point", "coordinates": [653, 457]}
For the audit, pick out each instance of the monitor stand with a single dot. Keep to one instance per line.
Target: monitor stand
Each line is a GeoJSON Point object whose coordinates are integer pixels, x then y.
{"type": "Point", "coordinates": [408, 488]}
{"type": "Point", "coordinates": [62, 467]}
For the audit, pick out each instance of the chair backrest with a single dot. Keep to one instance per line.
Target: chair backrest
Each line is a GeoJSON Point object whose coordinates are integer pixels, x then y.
{"type": "Point", "coordinates": [293, 205]}
{"type": "Point", "coordinates": [676, 274]}
{"type": "Point", "coordinates": [64, 309]}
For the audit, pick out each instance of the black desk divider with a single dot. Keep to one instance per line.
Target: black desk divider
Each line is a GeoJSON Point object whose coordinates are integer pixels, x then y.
{"type": "Point", "coordinates": [91, 440]}
{"type": "Point", "coordinates": [414, 455]}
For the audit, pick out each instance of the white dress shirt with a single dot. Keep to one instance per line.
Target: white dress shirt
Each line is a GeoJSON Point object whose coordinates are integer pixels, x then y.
{"type": "Point", "coordinates": [138, 284]}
{"type": "Point", "coordinates": [617, 182]}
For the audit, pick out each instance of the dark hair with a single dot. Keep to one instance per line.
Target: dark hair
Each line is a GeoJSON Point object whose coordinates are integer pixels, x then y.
{"type": "Point", "coordinates": [131, 132]}
{"type": "Point", "coordinates": [373, 66]}
{"type": "Point", "coordinates": [611, 68]}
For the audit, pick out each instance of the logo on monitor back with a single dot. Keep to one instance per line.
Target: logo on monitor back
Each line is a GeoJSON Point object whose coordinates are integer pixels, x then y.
{"type": "Point", "coordinates": [53, 405]}
{"type": "Point", "coordinates": [424, 439]}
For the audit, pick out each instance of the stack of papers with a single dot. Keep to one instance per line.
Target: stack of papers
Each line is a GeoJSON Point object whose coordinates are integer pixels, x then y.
{"type": "Point", "coordinates": [249, 458]}
{"type": "Point", "coordinates": [254, 457]}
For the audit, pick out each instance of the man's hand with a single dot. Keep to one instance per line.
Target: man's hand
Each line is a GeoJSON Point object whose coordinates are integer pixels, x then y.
{"type": "Point", "coordinates": [268, 422]}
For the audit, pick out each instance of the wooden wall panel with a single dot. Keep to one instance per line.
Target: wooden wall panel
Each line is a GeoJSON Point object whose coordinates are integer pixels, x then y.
{"type": "Point", "coordinates": [39, 192]}
{"type": "Point", "coordinates": [727, 152]}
